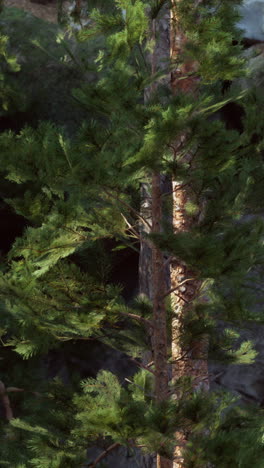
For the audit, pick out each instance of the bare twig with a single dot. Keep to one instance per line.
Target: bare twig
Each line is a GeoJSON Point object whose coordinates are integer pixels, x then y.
{"type": "Point", "coordinates": [168, 260]}
{"type": "Point", "coordinates": [129, 207]}
{"type": "Point", "coordinates": [142, 365]}
{"type": "Point", "coordinates": [150, 364]}
{"type": "Point", "coordinates": [141, 388]}
{"type": "Point", "coordinates": [177, 287]}
{"type": "Point", "coordinates": [136, 317]}
{"type": "Point", "coordinates": [6, 402]}
{"type": "Point", "coordinates": [104, 454]}
{"type": "Point", "coordinates": [132, 229]}
{"type": "Point", "coordinates": [214, 377]}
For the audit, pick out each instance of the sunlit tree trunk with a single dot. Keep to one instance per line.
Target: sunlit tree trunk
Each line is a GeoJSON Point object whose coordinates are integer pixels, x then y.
{"type": "Point", "coordinates": [192, 361]}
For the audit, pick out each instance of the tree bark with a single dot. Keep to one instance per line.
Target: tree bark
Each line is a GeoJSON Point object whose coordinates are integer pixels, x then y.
{"type": "Point", "coordinates": [153, 274]}
{"type": "Point", "coordinates": [160, 344]}
{"type": "Point", "coordinates": [159, 338]}
{"type": "Point", "coordinates": [191, 362]}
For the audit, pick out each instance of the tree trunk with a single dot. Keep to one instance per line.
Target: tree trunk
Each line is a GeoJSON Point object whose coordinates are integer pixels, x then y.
{"type": "Point", "coordinates": [153, 274]}
{"type": "Point", "coordinates": [160, 344]}
{"type": "Point", "coordinates": [191, 362]}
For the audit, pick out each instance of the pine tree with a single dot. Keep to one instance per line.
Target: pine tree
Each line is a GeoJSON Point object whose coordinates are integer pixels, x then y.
{"type": "Point", "coordinates": [77, 193]}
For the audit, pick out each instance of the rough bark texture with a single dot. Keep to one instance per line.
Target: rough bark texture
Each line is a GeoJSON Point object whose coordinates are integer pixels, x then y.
{"type": "Point", "coordinates": [145, 257]}
{"type": "Point", "coordinates": [191, 361]}
{"type": "Point", "coordinates": [188, 361]}
{"type": "Point", "coordinates": [146, 284]}
{"type": "Point", "coordinates": [159, 311]}
{"type": "Point", "coordinates": [153, 275]}
{"type": "Point", "coordinates": [160, 344]}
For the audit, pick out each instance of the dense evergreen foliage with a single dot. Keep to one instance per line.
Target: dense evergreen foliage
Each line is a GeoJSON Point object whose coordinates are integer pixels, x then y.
{"type": "Point", "coordinates": [78, 193]}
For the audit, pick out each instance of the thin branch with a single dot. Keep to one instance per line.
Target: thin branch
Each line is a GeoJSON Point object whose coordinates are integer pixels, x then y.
{"type": "Point", "coordinates": [169, 259]}
{"type": "Point", "coordinates": [64, 338]}
{"type": "Point", "coordinates": [181, 297]}
{"type": "Point", "coordinates": [178, 188]}
{"type": "Point", "coordinates": [142, 365]}
{"type": "Point", "coordinates": [136, 317]}
{"type": "Point", "coordinates": [104, 454]}
{"type": "Point", "coordinates": [14, 389]}
{"type": "Point", "coordinates": [141, 388]}
{"type": "Point", "coordinates": [186, 355]}
{"type": "Point", "coordinates": [129, 207]}
{"type": "Point", "coordinates": [52, 248]}
{"type": "Point", "coordinates": [150, 364]}
{"type": "Point", "coordinates": [177, 287]}
{"type": "Point", "coordinates": [74, 232]}
{"type": "Point", "coordinates": [182, 357]}
{"type": "Point", "coordinates": [6, 402]}
{"type": "Point", "coordinates": [132, 229]}
{"type": "Point", "coordinates": [213, 377]}
{"type": "Point", "coordinates": [68, 293]}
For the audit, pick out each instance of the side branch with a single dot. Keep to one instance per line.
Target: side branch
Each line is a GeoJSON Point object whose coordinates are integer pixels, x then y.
{"type": "Point", "coordinates": [139, 364]}
{"type": "Point", "coordinates": [129, 207]}
{"type": "Point", "coordinates": [104, 454]}
{"type": "Point", "coordinates": [177, 287]}
{"type": "Point", "coordinates": [136, 317]}
{"type": "Point", "coordinates": [6, 402]}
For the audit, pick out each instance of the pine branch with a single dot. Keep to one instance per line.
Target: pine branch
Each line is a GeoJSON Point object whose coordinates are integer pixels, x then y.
{"type": "Point", "coordinates": [74, 232]}
{"type": "Point", "coordinates": [53, 248]}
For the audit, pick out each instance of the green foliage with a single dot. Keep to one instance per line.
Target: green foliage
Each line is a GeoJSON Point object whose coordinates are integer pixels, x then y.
{"type": "Point", "coordinates": [9, 94]}
{"type": "Point", "coordinates": [239, 440]}
{"type": "Point", "coordinates": [67, 305]}
{"type": "Point", "coordinates": [132, 413]}
{"type": "Point", "coordinates": [209, 40]}
{"type": "Point", "coordinates": [45, 444]}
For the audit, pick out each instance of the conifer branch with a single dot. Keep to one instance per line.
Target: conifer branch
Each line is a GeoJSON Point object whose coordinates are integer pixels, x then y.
{"type": "Point", "coordinates": [52, 248]}
{"type": "Point", "coordinates": [74, 232]}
